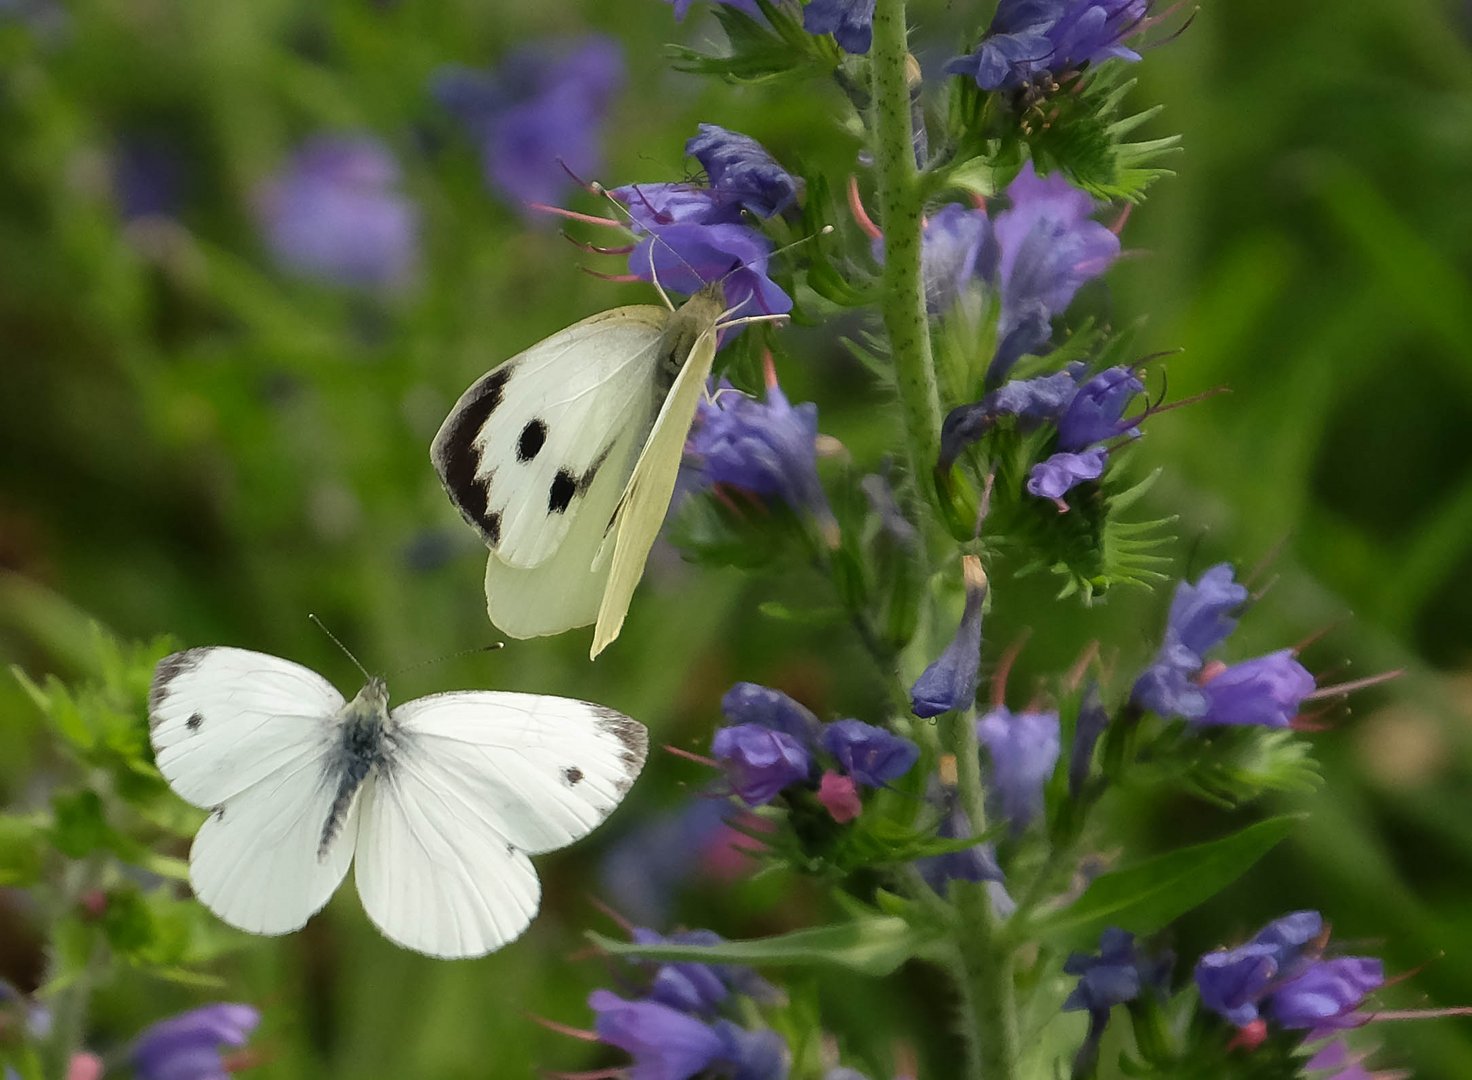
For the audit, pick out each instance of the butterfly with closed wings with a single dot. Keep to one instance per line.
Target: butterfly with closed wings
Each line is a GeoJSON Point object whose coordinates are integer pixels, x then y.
{"type": "Point", "coordinates": [440, 800]}
{"type": "Point", "coordinates": [564, 459]}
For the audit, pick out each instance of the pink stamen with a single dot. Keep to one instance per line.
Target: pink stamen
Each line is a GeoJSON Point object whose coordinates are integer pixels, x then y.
{"type": "Point", "coordinates": [595, 1074]}
{"type": "Point", "coordinates": [856, 208]}
{"type": "Point", "coordinates": [620, 279]}
{"type": "Point", "coordinates": [1344, 689]}
{"type": "Point", "coordinates": [689, 756]}
{"type": "Point", "coordinates": [1316, 636]}
{"type": "Point", "coordinates": [613, 915]}
{"type": "Point", "coordinates": [1062, 506]}
{"type": "Point", "coordinates": [1269, 557]}
{"type": "Point", "coordinates": [769, 369]}
{"type": "Point", "coordinates": [573, 215]}
{"type": "Point", "coordinates": [594, 249]}
{"type": "Point", "coordinates": [1004, 668]}
{"type": "Point", "coordinates": [1124, 216]}
{"type": "Point", "coordinates": [1075, 674]}
{"type": "Point", "coordinates": [563, 1029]}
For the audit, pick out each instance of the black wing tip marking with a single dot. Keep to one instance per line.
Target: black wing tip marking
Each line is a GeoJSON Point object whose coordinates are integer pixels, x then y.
{"type": "Point", "coordinates": [457, 458]}
{"type": "Point", "coordinates": [169, 669]}
{"type": "Point", "coordinates": [632, 736]}
{"type": "Point", "coordinates": [559, 495]}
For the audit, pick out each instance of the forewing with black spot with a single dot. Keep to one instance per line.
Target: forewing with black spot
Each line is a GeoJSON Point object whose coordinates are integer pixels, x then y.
{"type": "Point", "coordinates": [524, 449]}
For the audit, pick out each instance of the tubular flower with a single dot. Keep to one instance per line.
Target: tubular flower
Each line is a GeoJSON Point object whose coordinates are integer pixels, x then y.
{"type": "Point", "coordinates": [188, 1046]}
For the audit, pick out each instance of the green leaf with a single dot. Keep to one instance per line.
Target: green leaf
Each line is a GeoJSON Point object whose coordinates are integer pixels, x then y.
{"type": "Point", "coordinates": [874, 946]}
{"type": "Point", "coordinates": [22, 846]}
{"type": "Point", "coordinates": [1147, 896]}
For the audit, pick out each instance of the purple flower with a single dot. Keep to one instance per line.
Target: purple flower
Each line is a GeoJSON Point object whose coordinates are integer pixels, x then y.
{"type": "Point", "coordinates": [1048, 246]}
{"type": "Point", "coordinates": [950, 681]}
{"type": "Point", "coordinates": [869, 754]}
{"type": "Point", "coordinates": [687, 256]}
{"type": "Point", "coordinates": [537, 116]}
{"type": "Point", "coordinates": [1096, 412]}
{"type": "Point", "coordinates": [1024, 749]}
{"type": "Point", "coordinates": [1093, 718]}
{"type": "Point", "coordinates": [740, 169]}
{"type": "Point", "coordinates": [1326, 994]}
{"type": "Point", "coordinates": [1029, 401]}
{"type": "Point", "coordinates": [700, 988]}
{"type": "Point", "coordinates": [1266, 690]}
{"type": "Point", "coordinates": [335, 212]}
{"type": "Point", "coordinates": [1057, 475]}
{"type": "Point", "coordinates": [187, 1046]}
{"type": "Point", "coordinates": [654, 206]}
{"type": "Point", "coordinates": [1201, 617]}
{"type": "Point", "coordinates": [760, 762]}
{"type": "Point", "coordinates": [851, 22]}
{"type": "Point", "coordinates": [1233, 982]}
{"type": "Point", "coordinates": [752, 703]}
{"type": "Point", "coordinates": [665, 1043]}
{"type": "Point", "coordinates": [768, 448]}
{"type": "Point", "coordinates": [1109, 979]}
{"type": "Point", "coordinates": [1029, 38]}
{"type": "Point", "coordinates": [751, 1055]}
{"type": "Point", "coordinates": [746, 7]}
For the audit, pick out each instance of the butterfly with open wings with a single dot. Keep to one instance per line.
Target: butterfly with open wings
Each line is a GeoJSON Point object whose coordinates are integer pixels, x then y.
{"type": "Point", "coordinates": [440, 800]}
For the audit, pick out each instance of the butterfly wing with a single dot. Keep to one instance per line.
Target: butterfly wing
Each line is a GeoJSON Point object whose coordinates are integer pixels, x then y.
{"type": "Point", "coordinates": [642, 509]}
{"type": "Point", "coordinates": [523, 449]}
{"type": "Point", "coordinates": [477, 782]}
{"type": "Point", "coordinates": [250, 737]}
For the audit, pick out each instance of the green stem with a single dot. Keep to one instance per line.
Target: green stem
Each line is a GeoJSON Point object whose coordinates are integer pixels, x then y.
{"type": "Point", "coordinates": [983, 962]}
{"type": "Point", "coordinates": [905, 320]}
{"type": "Point", "coordinates": [69, 1003]}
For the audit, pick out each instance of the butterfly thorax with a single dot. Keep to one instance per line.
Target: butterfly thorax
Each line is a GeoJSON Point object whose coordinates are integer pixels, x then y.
{"type": "Point", "coordinates": [691, 319]}
{"type": "Point", "coordinates": [361, 734]}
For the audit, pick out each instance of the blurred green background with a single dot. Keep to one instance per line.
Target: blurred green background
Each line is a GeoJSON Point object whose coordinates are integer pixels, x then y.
{"type": "Point", "coordinates": [194, 443]}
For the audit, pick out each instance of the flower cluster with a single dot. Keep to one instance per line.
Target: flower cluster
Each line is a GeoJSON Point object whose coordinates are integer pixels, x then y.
{"type": "Point", "coordinates": [678, 1027]}
{"type": "Point", "coordinates": [689, 235]}
{"type": "Point", "coordinates": [1034, 256]}
{"type": "Point", "coordinates": [1282, 976]}
{"type": "Point", "coordinates": [537, 117]}
{"type": "Point", "coordinates": [1037, 40]}
{"type": "Point", "coordinates": [1266, 690]}
{"type": "Point", "coordinates": [772, 743]}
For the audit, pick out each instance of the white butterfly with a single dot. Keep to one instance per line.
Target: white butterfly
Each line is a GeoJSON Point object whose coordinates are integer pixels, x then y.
{"type": "Point", "coordinates": [441, 799]}
{"type": "Point", "coordinates": [564, 459]}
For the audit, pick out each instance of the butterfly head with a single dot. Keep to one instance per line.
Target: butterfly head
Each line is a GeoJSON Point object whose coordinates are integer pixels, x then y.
{"type": "Point", "coordinates": [371, 702]}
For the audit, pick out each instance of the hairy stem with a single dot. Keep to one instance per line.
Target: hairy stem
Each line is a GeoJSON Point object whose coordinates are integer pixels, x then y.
{"type": "Point", "coordinates": [983, 961]}
{"type": "Point", "coordinates": [905, 320]}
{"type": "Point", "coordinates": [68, 1002]}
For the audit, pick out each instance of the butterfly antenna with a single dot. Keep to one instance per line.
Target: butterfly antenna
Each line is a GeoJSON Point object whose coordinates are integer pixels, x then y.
{"type": "Point", "coordinates": [492, 647]}
{"type": "Point", "coordinates": [598, 189]}
{"type": "Point", "coordinates": [323, 627]}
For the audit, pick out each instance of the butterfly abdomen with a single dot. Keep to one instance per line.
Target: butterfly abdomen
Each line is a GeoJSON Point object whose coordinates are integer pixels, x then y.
{"type": "Point", "coordinates": [363, 737]}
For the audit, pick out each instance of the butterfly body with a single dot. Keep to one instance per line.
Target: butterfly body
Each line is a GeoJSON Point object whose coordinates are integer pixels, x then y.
{"type": "Point", "coordinates": [439, 800]}
{"type": "Point", "coordinates": [564, 457]}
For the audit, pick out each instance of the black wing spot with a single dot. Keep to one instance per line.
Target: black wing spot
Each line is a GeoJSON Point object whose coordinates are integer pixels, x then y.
{"type": "Point", "coordinates": [195, 721]}
{"type": "Point", "coordinates": [573, 775]}
{"type": "Point", "coordinates": [533, 437]}
{"type": "Point", "coordinates": [559, 495]}
{"type": "Point", "coordinates": [458, 456]}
